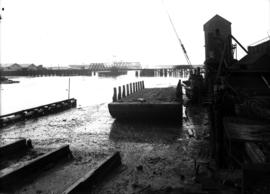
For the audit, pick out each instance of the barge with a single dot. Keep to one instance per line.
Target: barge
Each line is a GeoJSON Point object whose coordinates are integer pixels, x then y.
{"type": "Point", "coordinates": [147, 103]}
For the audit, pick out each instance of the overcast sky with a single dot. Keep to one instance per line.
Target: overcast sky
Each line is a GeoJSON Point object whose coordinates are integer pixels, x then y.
{"type": "Point", "coordinates": [63, 32]}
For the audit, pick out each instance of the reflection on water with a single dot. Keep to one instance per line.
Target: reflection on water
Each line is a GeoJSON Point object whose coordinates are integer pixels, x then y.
{"type": "Point", "coordinates": [88, 90]}
{"type": "Point", "coordinates": [145, 131]}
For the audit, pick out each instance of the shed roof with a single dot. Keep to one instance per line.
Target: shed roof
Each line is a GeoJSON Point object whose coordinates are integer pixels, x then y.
{"type": "Point", "coordinates": [216, 18]}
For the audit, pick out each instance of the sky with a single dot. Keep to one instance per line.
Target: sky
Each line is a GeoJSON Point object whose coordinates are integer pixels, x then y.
{"type": "Point", "coordinates": [64, 32]}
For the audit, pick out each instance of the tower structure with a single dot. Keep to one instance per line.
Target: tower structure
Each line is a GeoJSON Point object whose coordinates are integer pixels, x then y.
{"type": "Point", "coordinates": [217, 38]}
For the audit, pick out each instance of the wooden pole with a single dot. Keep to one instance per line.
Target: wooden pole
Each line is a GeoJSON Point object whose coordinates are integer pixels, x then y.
{"type": "Point", "coordinates": [179, 89]}
{"type": "Point", "coordinates": [127, 89]}
{"type": "Point", "coordinates": [134, 88]}
{"type": "Point", "coordinates": [130, 86]}
{"type": "Point", "coordinates": [143, 84]}
{"type": "Point", "coordinates": [124, 91]}
{"type": "Point", "coordinates": [114, 95]}
{"type": "Point", "coordinates": [119, 92]}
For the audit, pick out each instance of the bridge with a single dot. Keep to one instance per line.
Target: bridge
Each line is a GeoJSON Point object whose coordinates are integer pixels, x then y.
{"type": "Point", "coordinates": [87, 72]}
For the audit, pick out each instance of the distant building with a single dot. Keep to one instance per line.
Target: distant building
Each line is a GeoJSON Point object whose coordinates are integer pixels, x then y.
{"type": "Point", "coordinates": [29, 67]}
{"type": "Point", "coordinates": [22, 67]}
{"type": "Point", "coordinates": [13, 67]}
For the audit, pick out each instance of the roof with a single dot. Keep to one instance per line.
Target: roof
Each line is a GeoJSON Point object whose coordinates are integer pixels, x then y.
{"type": "Point", "coordinates": [251, 59]}
{"type": "Point", "coordinates": [216, 18]}
{"type": "Point", "coordinates": [26, 65]}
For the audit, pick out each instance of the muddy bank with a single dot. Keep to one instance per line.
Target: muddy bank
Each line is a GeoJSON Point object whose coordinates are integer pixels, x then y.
{"type": "Point", "coordinates": [158, 158]}
{"type": "Point", "coordinates": [155, 155]}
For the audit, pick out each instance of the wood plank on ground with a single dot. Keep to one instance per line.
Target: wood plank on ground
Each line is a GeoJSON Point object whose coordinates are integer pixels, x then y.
{"type": "Point", "coordinates": [8, 176]}
{"type": "Point", "coordinates": [85, 184]}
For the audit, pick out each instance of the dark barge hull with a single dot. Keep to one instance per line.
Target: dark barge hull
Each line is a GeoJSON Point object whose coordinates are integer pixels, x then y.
{"type": "Point", "coordinates": [149, 103]}
{"type": "Point", "coordinates": [134, 110]}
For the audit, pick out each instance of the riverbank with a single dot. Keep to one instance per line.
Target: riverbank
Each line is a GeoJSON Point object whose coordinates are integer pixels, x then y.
{"type": "Point", "coordinates": [156, 154]}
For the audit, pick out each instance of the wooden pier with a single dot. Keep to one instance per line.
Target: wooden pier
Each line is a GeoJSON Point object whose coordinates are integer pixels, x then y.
{"type": "Point", "coordinates": [37, 111]}
{"type": "Point", "coordinates": [134, 101]}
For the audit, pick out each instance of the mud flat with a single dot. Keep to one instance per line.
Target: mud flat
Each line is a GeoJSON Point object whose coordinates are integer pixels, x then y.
{"type": "Point", "coordinates": [148, 103]}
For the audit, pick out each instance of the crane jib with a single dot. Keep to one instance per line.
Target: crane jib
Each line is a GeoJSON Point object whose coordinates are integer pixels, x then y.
{"type": "Point", "coordinates": [181, 44]}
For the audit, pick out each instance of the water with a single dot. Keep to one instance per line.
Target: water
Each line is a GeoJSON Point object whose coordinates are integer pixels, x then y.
{"type": "Point", "coordinates": [89, 91]}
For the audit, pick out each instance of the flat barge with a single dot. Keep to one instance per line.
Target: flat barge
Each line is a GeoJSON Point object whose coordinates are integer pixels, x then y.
{"type": "Point", "coordinates": [145, 103]}
{"type": "Point", "coordinates": [37, 111]}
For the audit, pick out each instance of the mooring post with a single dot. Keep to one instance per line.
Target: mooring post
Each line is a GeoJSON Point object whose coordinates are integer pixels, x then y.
{"type": "Point", "coordinates": [124, 91]}
{"type": "Point", "coordinates": [130, 86]}
{"type": "Point", "coordinates": [119, 92]}
{"type": "Point", "coordinates": [114, 95]}
{"type": "Point", "coordinates": [136, 85]}
{"type": "Point", "coordinates": [127, 89]}
{"type": "Point", "coordinates": [143, 84]}
{"type": "Point", "coordinates": [179, 89]}
{"type": "Point", "coordinates": [134, 88]}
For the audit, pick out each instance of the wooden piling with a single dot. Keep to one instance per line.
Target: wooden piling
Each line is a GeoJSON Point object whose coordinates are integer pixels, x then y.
{"type": "Point", "coordinates": [143, 84]}
{"type": "Point", "coordinates": [124, 91]}
{"type": "Point", "coordinates": [179, 89]}
{"type": "Point", "coordinates": [130, 86]}
{"type": "Point", "coordinates": [134, 88]}
{"type": "Point", "coordinates": [127, 89]}
{"type": "Point", "coordinates": [114, 95]}
{"type": "Point", "coordinates": [119, 93]}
